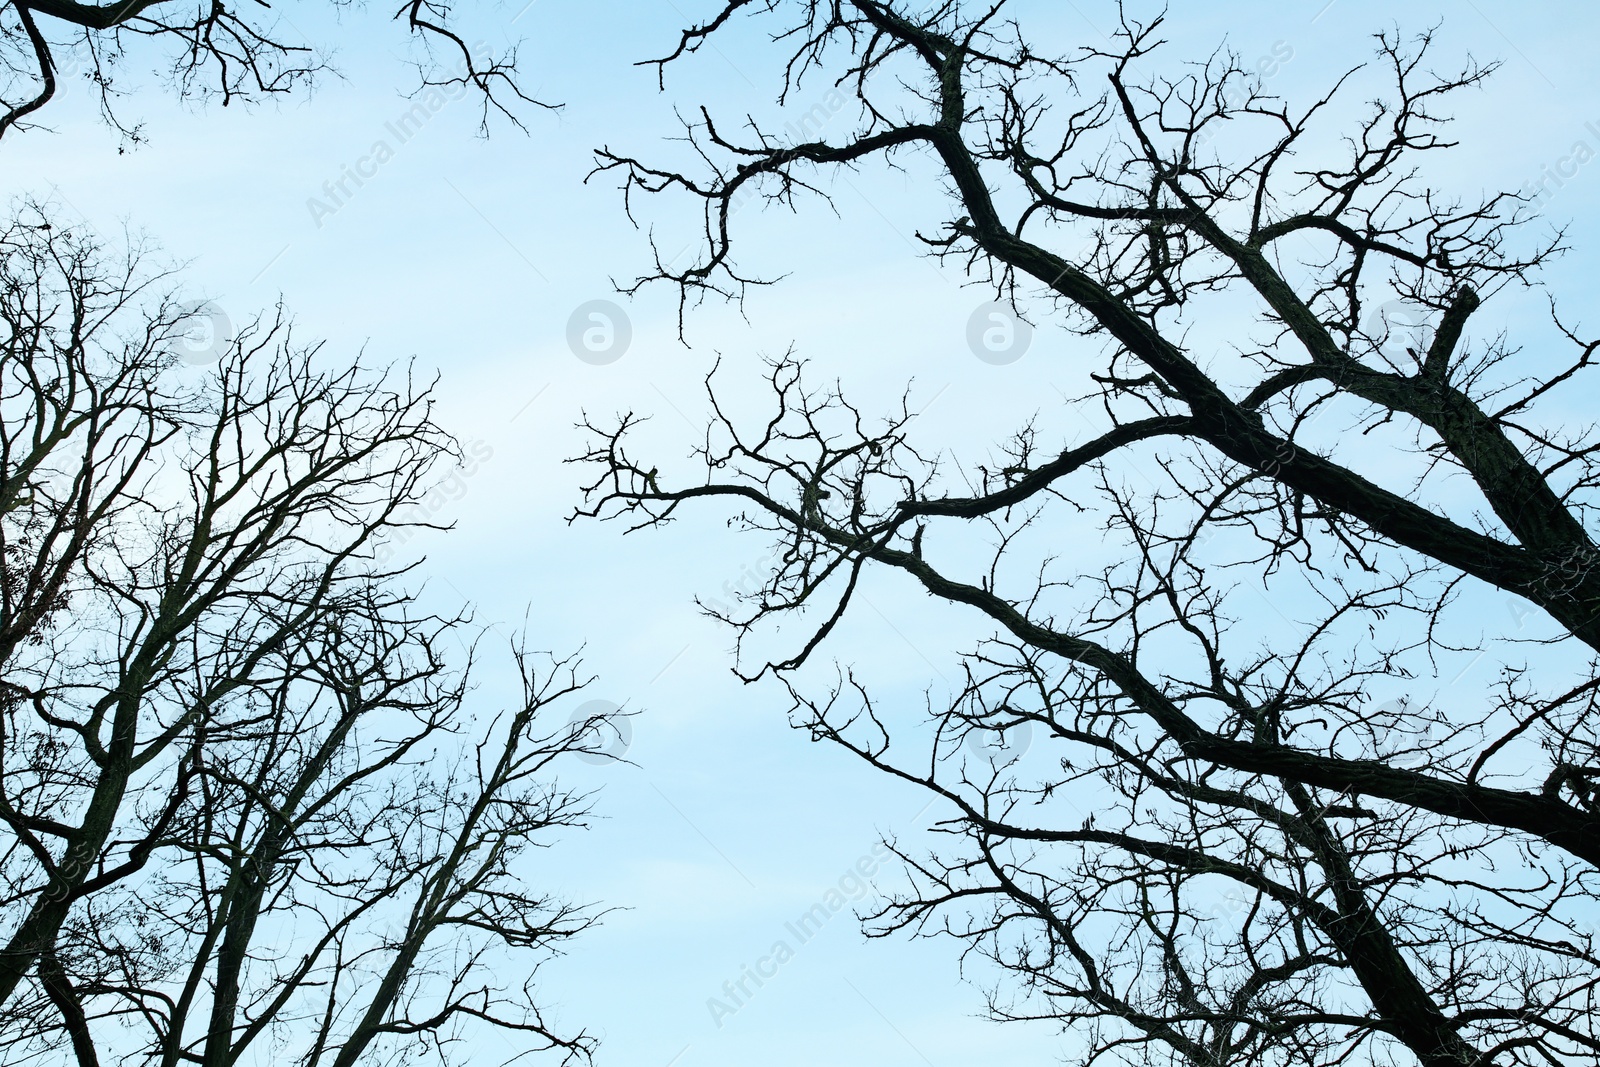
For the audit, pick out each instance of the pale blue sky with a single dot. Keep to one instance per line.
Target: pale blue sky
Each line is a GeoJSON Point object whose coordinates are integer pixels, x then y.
{"type": "Point", "coordinates": [471, 254]}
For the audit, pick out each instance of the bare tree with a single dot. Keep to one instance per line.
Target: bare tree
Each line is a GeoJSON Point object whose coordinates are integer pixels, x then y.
{"type": "Point", "coordinates": [231, 52]}
{"type": "Point", "coordinates": [1224, 845]}
{"type": "Point", "coordinates": [247, 806]}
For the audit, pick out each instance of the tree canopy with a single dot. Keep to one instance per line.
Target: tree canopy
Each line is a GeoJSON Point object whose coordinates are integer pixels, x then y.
{"type": "Point", "coordinates": [247, 802]}
{"type": "Point", "coordinates": [230, 52]}
{"type": "Point", "coordinates": [1229, 841]}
